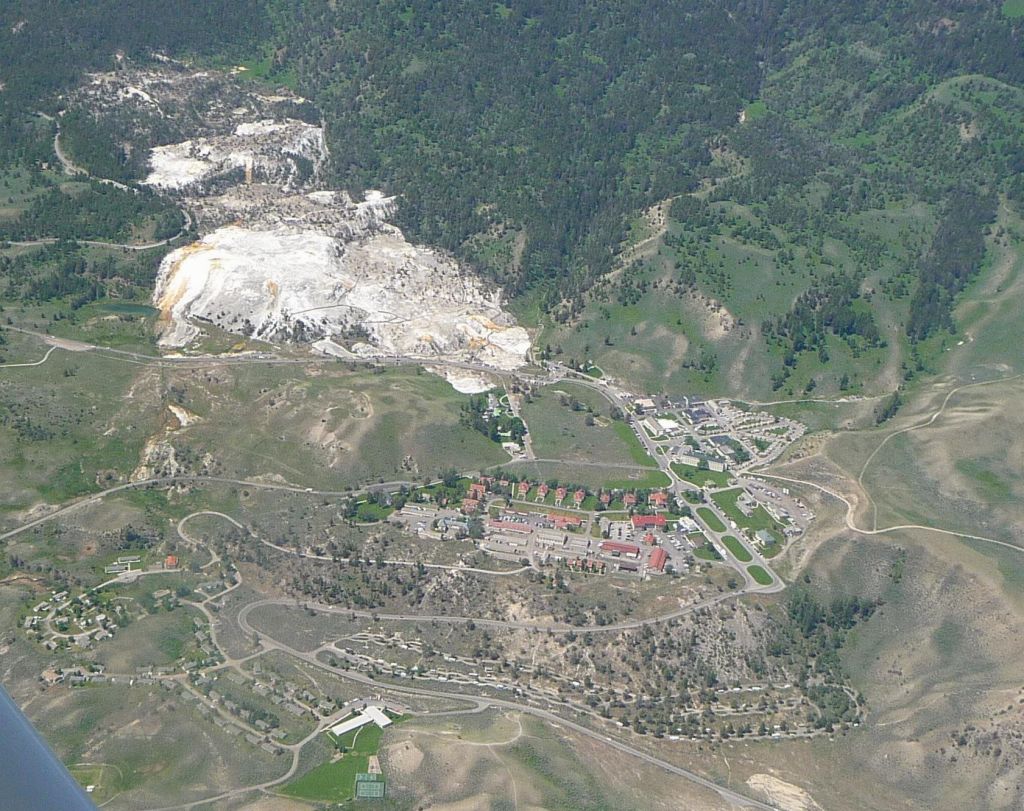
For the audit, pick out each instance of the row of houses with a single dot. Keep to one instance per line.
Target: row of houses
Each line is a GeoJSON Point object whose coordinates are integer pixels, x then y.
{"type": "Point", "coordinates": [478, 492]}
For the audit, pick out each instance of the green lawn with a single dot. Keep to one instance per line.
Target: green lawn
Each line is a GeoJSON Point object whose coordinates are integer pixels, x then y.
{"type": "Point", "coordinates": [1014, 9]}
{"type": "Point", "coordinates": [711, 519]}
{"type": "Point", "coordinates": [700, 477]}
{"type": "Point", "coordinates": [706, 552]}
{"type": "Point", "coordinates": [329, 782]}
{"type": "Point", "coordinates": [760, 575]}
{"type": "Point", "coordinates": [739, 551]}
{"type": "Point", "coordinates": [560, 431]}
{"type": "Point", "coordinates": [370, 511]}
{"type": "Point", "coordinates": [104, 778]}
{"type": "Point", "coordinates": [636, 450]}
{"type": "Point", "coordinates": [757, 520]}
{"type": "Point", "coordinates": [594, 478]}
{"type": "Point", "coordinates": [335, 782]}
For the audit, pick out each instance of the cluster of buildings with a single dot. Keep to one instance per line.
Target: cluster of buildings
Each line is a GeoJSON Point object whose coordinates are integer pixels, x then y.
{"type": "Point", "coordinates": [712, 434]}
{"type": "Point", "coordinates": [127, 564]}
{"type": "Point", "coordinates": [632, 531]}
{"type": "Point", "coordinates": [81, 621]}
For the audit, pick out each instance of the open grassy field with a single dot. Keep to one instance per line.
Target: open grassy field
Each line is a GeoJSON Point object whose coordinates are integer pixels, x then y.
{"type": "Point", "coordinates": [83, 421]}
{"type": "Point", "coordinates": [329, 427]}
{"type": "Point", "coordinates": [700, 477]}
{"type": "Point", "coordinates": [1013, 9]}
{"type": "Point", "coordinates": [487, 760]}
{"type": "Point", "coordinates": [584, 433]}
{"type": "Point", "coordinates": [156, 744]}
{"type": "Point", "coordinates": [155, 640]}
{"type": "Point", "coordinates": [335, 780]}
{"type": "Point", "coordinates": [593, 477]}
{"type": "Point", "coordinates": [760, 575]}
{"type": "Point", "coordinates": [71, 421]}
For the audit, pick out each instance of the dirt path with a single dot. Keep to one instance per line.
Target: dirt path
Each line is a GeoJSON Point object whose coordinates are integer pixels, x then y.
{"type": "Point", "coordinates": [39, 362]}
{"type": "Point", "coordinates": [74, 170]}
{"type": "Point", "coordinates": [924, 424]}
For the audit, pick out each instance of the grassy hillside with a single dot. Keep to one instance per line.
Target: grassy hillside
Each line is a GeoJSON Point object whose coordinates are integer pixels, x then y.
{"type": "Point", "coordinates": [827, 249]}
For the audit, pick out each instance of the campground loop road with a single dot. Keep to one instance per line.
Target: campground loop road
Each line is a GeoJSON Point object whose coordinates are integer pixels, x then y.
{"type": "Point", "coordinates": [477, 703]}
{"type": "Point", "coordinates": [507, 625]}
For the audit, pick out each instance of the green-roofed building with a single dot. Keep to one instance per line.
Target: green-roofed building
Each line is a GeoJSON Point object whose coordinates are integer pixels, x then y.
{"type": "Point", "coordinates": [370, 787]}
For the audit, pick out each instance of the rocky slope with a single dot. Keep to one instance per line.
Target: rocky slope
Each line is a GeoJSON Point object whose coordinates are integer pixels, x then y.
{"type": "Point", "coordinates": [281, 257]}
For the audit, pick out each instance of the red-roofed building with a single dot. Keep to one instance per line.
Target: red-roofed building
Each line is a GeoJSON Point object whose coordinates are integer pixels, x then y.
{"type": "Point", "coordinates": [658, 559]}
{"type": "Point", "coordinates": [578, 497]}
{"type": "Point", "coordinates": [647, 521]}
{"type": "Point", "coordinates": [560, 495]}
{"type": "Point", "coordinates": [523, 488]}
{"type": "Point", "coordinates": [649, 539]}
{"type": "Point", "coordinates": [658, 500]}
{"type": "Point", "coordinates": [563, 521]}
{"type": "Point", "coordinates": [629, 499]}
{"type": "Point", "coordinates": [506, 525]}
{"type": "Point", "coordinates": [617, 549]}
{"type": "Point", "coordinates": [477, 490]}
{"type": "Point", "coordinates": [542, 492]}
{"type": "Point", "coordinates": [470, 505]}
{"type": "Point", "coordinates": [171, 562]}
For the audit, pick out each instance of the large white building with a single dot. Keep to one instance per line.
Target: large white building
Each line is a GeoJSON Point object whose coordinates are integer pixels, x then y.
{"type": "Point", "coordinates": [368, 715]}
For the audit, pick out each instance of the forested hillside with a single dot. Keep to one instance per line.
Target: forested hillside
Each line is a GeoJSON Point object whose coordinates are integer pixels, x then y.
{"type": "Point", "coordinates": [556, 120]}
{"type": "Point", "coordinates": [48, 44]}
{"type": "Point", "coordinates": [525, 134]}
{"type": "Point", "coordinates": [828, 171]}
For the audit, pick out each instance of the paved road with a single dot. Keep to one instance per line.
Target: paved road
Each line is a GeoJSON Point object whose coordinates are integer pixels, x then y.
{"type": "Point", "coordinates": [477, 703]}
{"type": "Point", "coordinates": [677, 486]}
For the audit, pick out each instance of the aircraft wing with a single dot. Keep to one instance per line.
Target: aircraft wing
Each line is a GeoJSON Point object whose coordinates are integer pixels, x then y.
{"type": "Point", "coordinates": [31, 776]}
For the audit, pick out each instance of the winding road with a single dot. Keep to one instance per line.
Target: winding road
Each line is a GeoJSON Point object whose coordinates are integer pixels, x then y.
{"type": "Point", "coordinates": [477, 702]}
{"type": "Point", "coordinates": [482, 703]}
{"type": "Point", "coordinates": [73, 169]}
